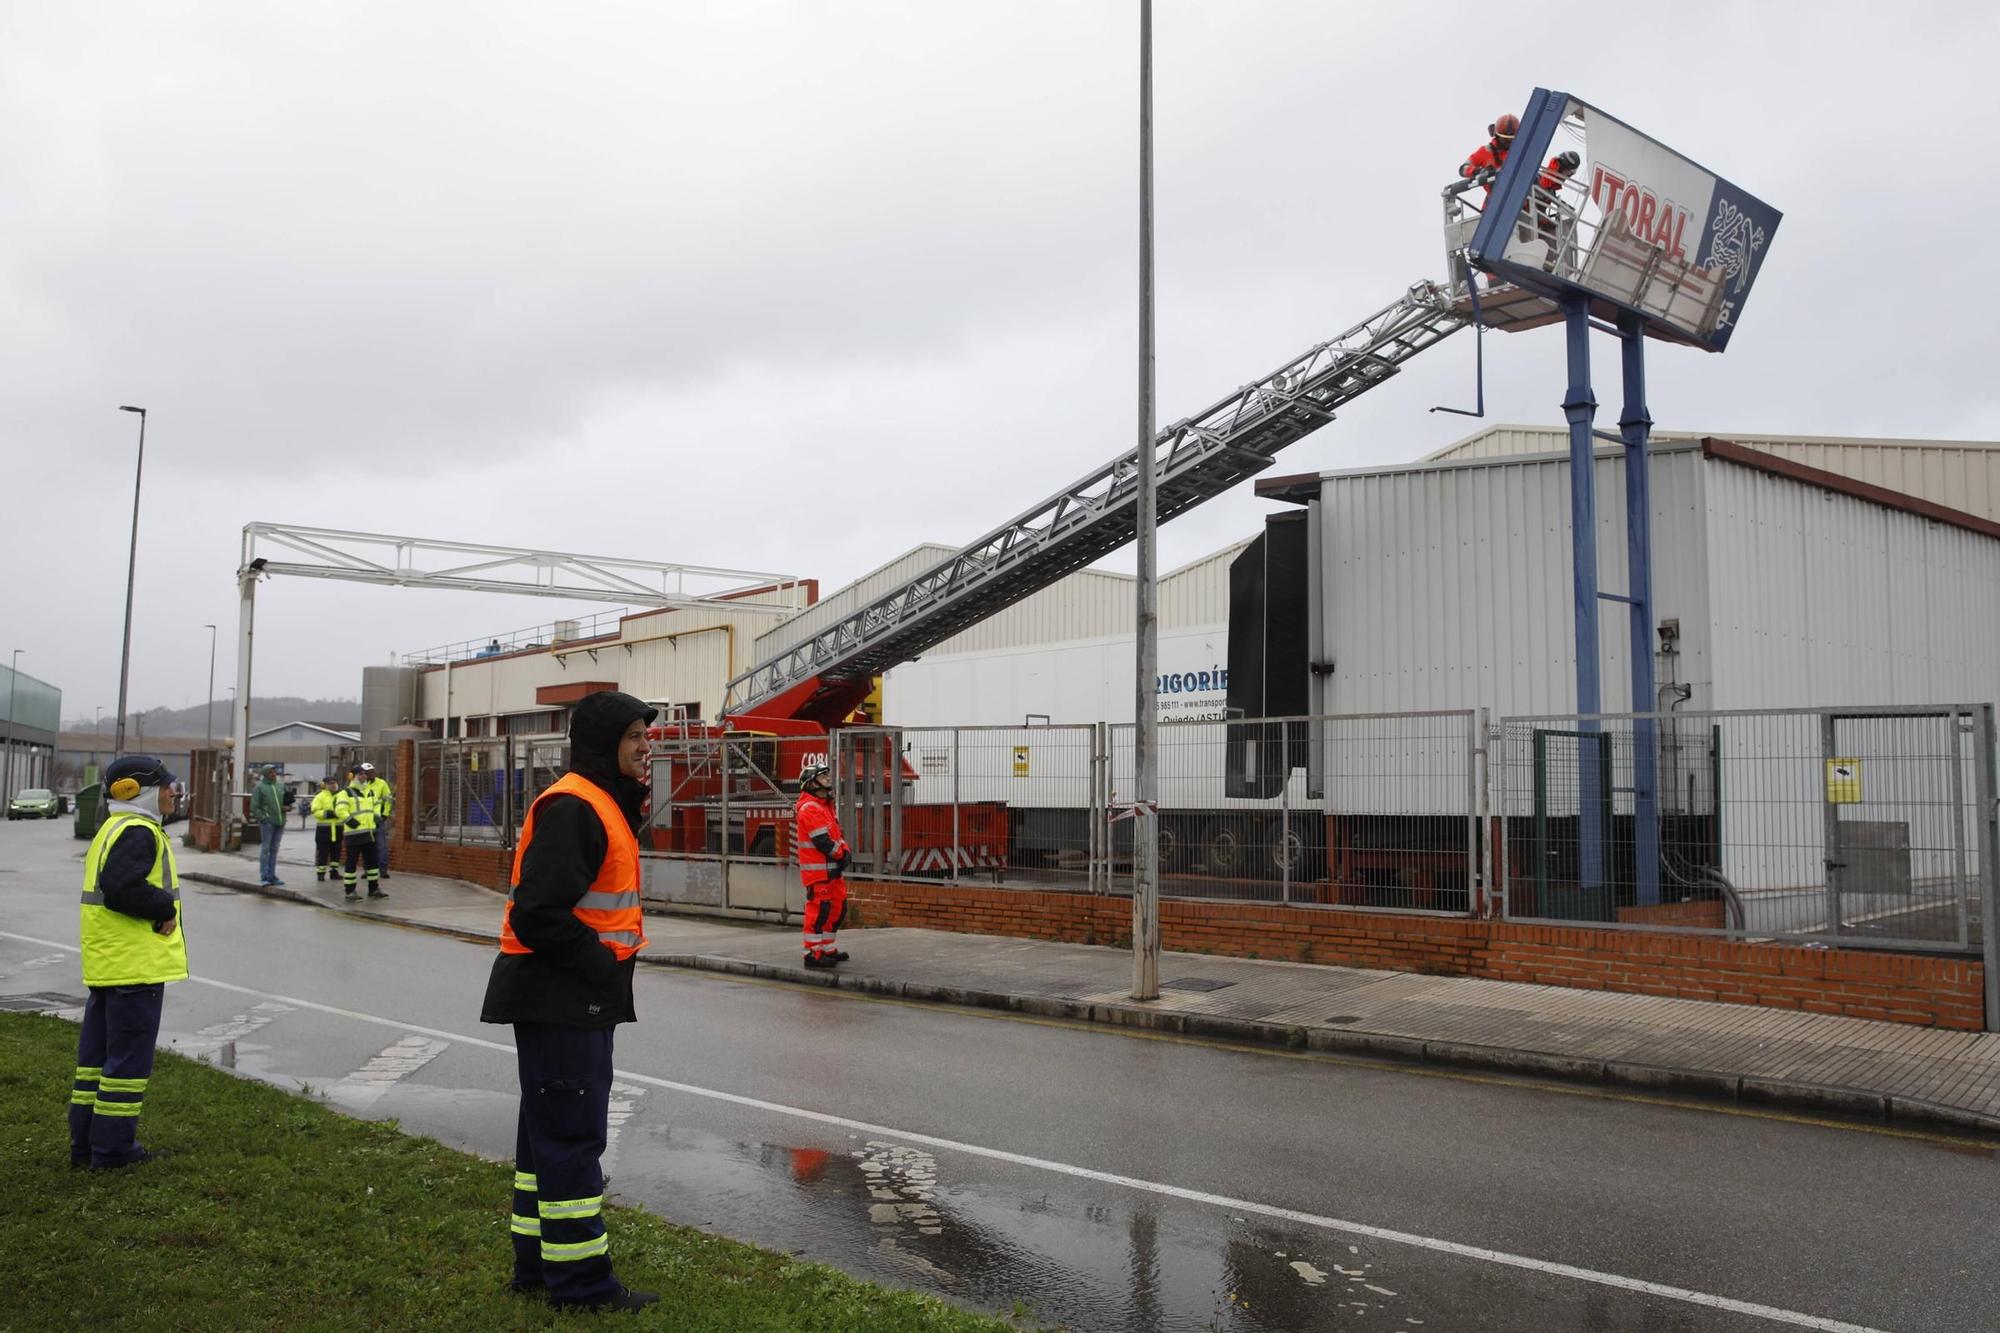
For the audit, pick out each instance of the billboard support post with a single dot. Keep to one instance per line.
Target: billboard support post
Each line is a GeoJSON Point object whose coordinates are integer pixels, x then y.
{"type": "Point", "coordinates": [1635, 425]}
{"type": "Point", "coordinates": [1580, 406]}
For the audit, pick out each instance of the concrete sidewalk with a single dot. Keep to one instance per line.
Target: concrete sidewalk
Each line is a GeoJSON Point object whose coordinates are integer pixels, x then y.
{"type": "Point", "coordinates": [1820, 1062]}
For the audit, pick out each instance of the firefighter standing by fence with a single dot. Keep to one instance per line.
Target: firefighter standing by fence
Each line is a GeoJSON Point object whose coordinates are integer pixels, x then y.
{"type": "Point", "coordinates": [356, 809]}
{"type": "Point", "coordinates": [326, 829]}
{"type": "Point", "coordinates": [569, 939]}
{"type": "Point", "coordinates": [132, 946]}
{"type": "Point", "coordinates": [823, 860]}
{"type": "Point", "coordinates": [385, 809]}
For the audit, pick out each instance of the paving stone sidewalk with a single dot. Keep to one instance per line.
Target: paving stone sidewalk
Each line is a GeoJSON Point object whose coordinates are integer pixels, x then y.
{"type": "Point", "coordinates": [1882, 1071]}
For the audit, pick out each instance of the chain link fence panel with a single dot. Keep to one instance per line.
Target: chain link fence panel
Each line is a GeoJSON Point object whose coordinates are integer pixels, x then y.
{"type": "Point", "coordinates": [1849, 825]}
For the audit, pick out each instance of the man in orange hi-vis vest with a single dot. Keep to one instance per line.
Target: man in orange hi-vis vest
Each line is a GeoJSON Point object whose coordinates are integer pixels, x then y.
{"type": "Point", "coordinates": [823, 858]}
{"type": "Point", "coordinates": [568, 941]}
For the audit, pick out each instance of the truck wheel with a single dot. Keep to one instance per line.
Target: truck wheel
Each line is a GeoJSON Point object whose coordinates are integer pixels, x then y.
{"type": "Point", "coordinates": [1287, 851]}
{"type": "Point", "coordinates": [1173, 845]}
{"type": "Point", "coordinates": [1222, 847]}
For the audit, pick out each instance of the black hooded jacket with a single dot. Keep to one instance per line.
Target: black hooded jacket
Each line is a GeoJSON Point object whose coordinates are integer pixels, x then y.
{"type": "Point", "coordinates": [569, 979]}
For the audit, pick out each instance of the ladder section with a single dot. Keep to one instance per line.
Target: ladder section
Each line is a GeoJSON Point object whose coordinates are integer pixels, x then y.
{"type": "Point", "coordinates": [1197, 458]}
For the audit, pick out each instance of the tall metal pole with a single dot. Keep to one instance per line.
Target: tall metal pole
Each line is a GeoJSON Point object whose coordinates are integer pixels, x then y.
{"type": "Point", "coordinates": [131, 576]}
{"type": "Point", "coordinates": [1635, 425]}
{"type": "Point", "coordinates": [13, 674]}
{"type": "Point", "coordinates": [1146, 828]}
{"type": "Point", "coordinates": [209, 735]}
{"type": "Point", "coordinates": [1580, 407]}
{"type": "Point", "coordinates": [246, 581]}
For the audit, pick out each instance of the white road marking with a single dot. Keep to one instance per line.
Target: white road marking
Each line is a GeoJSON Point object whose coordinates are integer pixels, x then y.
{"type": "Point", "coordinates": [624, 1100]}
{"type": "Point", "coordinates": [1706, 1300]}
{"type": "Point", "coordinates": [365, 1086]}
{"type": "Point", "coordinates": [218, 1037]}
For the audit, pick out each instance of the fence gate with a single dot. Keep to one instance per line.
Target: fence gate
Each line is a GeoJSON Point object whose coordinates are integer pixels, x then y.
{"type": "Point", "coordinates": [1900, 845]}
{"type": "Point", "coordinates": [868, 797]}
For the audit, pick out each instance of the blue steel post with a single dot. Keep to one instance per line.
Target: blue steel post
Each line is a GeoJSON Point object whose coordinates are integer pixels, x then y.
{"type": "Point", "coordinates": [1580, 406]}
{"type": "Point", "coordinates": [1635, 424]}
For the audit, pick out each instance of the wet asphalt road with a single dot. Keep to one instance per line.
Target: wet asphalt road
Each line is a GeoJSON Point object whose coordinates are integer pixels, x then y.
{"type": "Point", "coordinates": [1107, 1180]}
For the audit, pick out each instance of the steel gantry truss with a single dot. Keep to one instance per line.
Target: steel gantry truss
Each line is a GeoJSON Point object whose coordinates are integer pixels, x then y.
{"type": "Point", "coordinates": [1196, 459]}
{"type": "Point", "coordinates": [423, 562]}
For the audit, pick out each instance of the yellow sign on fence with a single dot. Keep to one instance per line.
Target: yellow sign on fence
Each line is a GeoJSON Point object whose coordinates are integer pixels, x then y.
{"type": "Point", "coordinates": [1843, 782]}
{"type": "Point", "coordinates": [1020, 761]}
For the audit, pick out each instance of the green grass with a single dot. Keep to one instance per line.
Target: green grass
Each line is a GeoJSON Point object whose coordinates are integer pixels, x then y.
{"type": "Point", "coordinates": [278, 1213]}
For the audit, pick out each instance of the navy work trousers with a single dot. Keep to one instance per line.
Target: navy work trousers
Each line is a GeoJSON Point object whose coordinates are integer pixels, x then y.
{"type": "Point", "coordinates": [558, 1225]}
{"type": "Point", "coordinates": [114, 1059]}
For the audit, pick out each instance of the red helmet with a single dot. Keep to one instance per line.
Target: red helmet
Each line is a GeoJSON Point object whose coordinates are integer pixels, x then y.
{"type": "Point", "coordinates": [1504, 129]}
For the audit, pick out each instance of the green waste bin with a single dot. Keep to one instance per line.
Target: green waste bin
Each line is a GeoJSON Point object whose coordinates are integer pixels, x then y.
{"type": "Point", "coordinates": [89, 811]}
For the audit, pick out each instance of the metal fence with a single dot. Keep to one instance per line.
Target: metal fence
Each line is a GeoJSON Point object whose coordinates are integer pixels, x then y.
{"type": "Point", "coordinates": [1014, 805]}
{"type": "Point", "coordinates": [1377, 810]}
{"type": "Point", "coordinates": [1861, 825]}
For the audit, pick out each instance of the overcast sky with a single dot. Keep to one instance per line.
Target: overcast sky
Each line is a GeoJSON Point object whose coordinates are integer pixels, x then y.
{"type": "Point", "coordinates": [795, 286]}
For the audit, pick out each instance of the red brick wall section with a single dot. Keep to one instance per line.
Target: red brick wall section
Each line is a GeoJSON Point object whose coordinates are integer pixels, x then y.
{"type": "Point", "coordinates": [492, 867]}
{"type": "Point", "coordinates": [1901, 988]}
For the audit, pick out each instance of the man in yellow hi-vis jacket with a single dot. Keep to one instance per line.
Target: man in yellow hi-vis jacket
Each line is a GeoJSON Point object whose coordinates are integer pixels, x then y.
{"type": "Point", "coordinates": [132, 946]}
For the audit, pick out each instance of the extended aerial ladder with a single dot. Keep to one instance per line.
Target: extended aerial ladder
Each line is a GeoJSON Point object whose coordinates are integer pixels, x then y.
{"type": "Point", "coordinates": [827, 675]}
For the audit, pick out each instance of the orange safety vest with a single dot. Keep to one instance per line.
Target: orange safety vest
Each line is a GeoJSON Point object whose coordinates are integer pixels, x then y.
{"type": "Point", "coordinates": [610, 906]}
{"type": "Point", "coordinates": [811, 816]}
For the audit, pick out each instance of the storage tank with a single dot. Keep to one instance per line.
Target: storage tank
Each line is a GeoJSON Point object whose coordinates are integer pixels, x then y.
{"type": "Point", "coordinates": [388, 699]}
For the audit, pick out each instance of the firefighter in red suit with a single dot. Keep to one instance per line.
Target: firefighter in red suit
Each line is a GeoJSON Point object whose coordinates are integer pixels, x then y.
{"type": "Point", "coordinates": [823, 858]}
{"type": "Point", "coordinates": [1489, 157]}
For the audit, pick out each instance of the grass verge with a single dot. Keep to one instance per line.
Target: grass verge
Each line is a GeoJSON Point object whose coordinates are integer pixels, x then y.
{"type": "Point", "coordinates": [278, 1213]}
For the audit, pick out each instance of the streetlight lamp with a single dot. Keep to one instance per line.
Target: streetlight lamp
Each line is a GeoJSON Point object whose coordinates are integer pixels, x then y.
{"type": "Point", "coordinates": [131, 576]}
{"type": "Point", "coordinates": [13, 674]}
{"type": "Point", "coordinates": [209, 737]}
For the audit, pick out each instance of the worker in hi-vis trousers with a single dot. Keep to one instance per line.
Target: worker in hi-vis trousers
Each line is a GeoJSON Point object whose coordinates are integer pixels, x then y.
{"type": "Point", "coordinates": [132, 947]}
{"type": "Point", "coordinates": [326, 829]}
{"type": "Point", "coordinates": [385, 812]}
{"type": "Point", "coordinates": [355, 807]}
{"type": "Point", "coordinates": [823, 858]}
{"type": "Point", "coordinates": [569, 944]}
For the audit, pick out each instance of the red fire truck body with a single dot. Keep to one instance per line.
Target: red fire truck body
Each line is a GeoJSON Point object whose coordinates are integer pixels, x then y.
{"type": "Point", "coordinates": [729, 788]}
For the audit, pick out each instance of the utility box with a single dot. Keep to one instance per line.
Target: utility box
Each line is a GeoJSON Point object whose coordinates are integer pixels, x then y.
{"type": "Point", "coordinates": [89, 811]}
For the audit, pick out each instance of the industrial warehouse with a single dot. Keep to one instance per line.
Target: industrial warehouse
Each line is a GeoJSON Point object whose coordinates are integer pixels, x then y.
{"type": "Point", "coordinates": [1408, 616]}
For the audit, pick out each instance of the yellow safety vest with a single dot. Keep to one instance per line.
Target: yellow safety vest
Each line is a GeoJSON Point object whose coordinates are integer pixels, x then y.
{"type": "Point", "coordinates": [323, 803]}
{"type": "Point", "coordinates": [385, 796]}
{"type": "Point", "coordinates": [358, 804]}
{"type": "Point", "coordinates": [121, 950]}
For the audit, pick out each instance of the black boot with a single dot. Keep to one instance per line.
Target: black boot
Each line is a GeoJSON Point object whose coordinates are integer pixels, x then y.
{"type": "Point", "coordinates": [627, 1301]}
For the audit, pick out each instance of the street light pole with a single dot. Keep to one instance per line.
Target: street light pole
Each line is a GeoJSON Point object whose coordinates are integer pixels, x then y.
{"type": "Point", "coordinates": [131, 576]}
{"type": "Point", "coordinates": [13, 674]}
{"type": "Point", "coordinates": [210, 734]}
{"type": "Point", "coordinates": [1146, 733]}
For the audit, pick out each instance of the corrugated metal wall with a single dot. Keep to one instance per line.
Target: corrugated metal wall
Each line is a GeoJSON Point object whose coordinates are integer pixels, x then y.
{"type": "Point", "coordinates": [1449, 587]}
{"type": "Point", "coordinates": [1826, 599]}
{"type": "Point", "coordinates": [1960, 474]}
{"type": "Point", "coordinates": [849, 599]}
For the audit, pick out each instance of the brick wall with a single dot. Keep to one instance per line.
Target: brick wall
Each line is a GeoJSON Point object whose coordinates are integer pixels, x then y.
{"type": "Point", "coordinates": [1903, 988]}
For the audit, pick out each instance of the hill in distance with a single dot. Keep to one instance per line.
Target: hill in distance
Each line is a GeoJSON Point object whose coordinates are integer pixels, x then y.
{"type": "Point", "coordinates": [264, 713]}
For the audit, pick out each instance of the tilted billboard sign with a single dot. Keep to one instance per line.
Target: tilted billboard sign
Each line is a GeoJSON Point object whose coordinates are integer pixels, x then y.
{"type": "Point", "coordinates": [1635, 226]}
